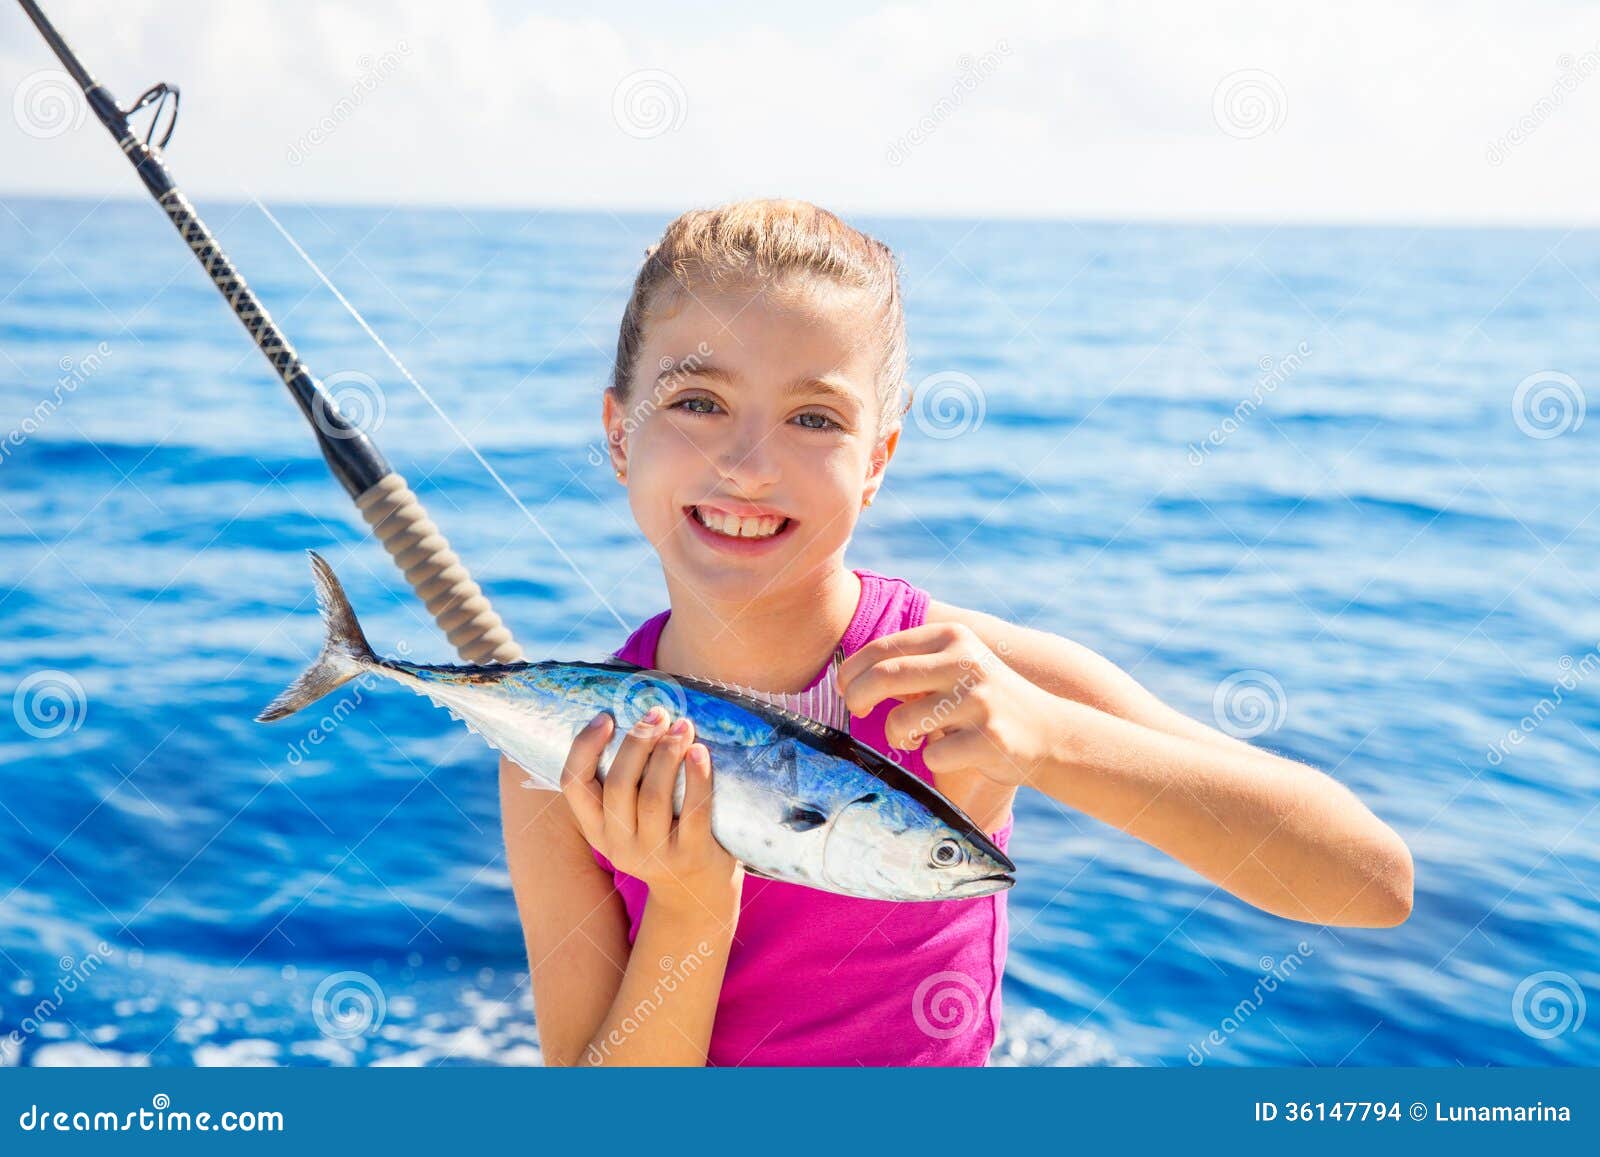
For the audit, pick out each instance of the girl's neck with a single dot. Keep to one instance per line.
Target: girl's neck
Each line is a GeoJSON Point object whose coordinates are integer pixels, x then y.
{"type": "Point", "coordinates": [776, 644]}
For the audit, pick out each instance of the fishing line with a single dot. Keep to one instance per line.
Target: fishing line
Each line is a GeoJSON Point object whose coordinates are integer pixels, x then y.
{"type": "Point", "coordinates": [443, 417]}
{"type": "Point", "coordinates": [397, 517]}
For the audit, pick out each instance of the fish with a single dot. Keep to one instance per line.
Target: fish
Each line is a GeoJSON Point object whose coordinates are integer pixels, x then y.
{"type": "Point", "coordinates": [794, 798]}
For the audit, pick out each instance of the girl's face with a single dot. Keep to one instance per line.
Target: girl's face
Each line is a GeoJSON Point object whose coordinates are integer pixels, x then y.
{"type": "Point", "coordinates": [750, 437]}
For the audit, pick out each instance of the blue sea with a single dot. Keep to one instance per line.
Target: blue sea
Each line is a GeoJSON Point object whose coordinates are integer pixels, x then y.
{"type": "Point", "coordinates": [1331, 487]}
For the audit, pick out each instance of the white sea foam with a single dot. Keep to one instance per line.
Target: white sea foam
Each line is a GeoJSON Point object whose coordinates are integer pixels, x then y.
{"type": "Point", "coordinates": [1033, 1039]}
{"type": "Point", "coordinates": [249, 1054]}
{"type": "Point", "coordinates": [82, 1054]}
{"type": "Point", "coordinates": [209, 1016]}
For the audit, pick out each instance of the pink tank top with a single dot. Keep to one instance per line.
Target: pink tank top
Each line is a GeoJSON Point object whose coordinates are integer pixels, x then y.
{"type": "Point", "coordinates": [819, 979]}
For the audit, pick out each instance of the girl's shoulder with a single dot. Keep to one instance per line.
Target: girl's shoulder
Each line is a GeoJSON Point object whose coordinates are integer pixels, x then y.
{"type": "Point", "coordinates": [990, 628]}
{"type": "Point", "coordinates": [1021, 647]}
{"type": "Point", "coordinates": [1071, 670]}
{"type": "Point", "coordinates": [1060, 665]}
{"type": "Point", "coordinates": [1004, 638]}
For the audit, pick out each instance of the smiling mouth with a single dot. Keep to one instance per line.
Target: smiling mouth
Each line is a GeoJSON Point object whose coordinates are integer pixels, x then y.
{"type": "Point", "coordinates": [734, 527]}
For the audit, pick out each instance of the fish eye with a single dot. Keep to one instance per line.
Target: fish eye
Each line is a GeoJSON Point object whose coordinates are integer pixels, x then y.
{"type": "Point", "coordinates": [946, 854]}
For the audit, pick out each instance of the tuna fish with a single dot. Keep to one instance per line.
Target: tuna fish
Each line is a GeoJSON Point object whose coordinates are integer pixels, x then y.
{"type": "Point", "coordinates": [794, 798]}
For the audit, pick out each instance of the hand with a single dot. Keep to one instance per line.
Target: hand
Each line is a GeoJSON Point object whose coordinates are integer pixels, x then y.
{"type": "Point", "coordinates": [973, 712]}
{"type": "Point", "coordinates": [628, 817]}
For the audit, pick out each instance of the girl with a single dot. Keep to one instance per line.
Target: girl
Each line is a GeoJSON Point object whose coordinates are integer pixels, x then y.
{"type": "Point", "coordinates": [753, 412]}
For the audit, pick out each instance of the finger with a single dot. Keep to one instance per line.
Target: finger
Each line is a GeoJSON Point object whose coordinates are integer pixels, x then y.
{"type": "Point", "coordinates": [915, 640]}
{"type": "Point", "coordinates": [951, 752]}
{"type": "Point", "coordinates": [919, 718]}
{"type": "Point", "coordinates": [971, 749]}
{"type": "Point", "coordinates": [621, 793]}
{"type": "Point", "coordinates": [580, 783]}
{"type": "Point", "coordinates": [694, 822]}
{"type": "Point", "coordinates": [901, 677]}
{"type": "Point", "coordinates": [655, 789]}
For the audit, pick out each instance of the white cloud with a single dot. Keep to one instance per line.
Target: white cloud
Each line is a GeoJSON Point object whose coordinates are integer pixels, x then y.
{"type": "Point", "coordinates": [1388, 111]}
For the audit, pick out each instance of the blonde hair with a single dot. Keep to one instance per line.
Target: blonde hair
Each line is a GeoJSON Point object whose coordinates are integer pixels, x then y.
{"type": "Point", "coordinates": [774, 244]}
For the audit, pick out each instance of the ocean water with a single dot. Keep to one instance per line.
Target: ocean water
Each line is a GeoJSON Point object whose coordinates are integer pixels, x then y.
{"type": "Point", "coordinates": [1328, 485]}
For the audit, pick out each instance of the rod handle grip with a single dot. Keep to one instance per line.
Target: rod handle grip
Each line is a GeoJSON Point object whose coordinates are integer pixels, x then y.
{"type": "Point", "coordinates": [435, 572]}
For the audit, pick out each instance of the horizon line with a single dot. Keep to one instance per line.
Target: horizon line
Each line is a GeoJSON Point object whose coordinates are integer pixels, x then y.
{"type": "Point", "coordinates": [1309, 221]}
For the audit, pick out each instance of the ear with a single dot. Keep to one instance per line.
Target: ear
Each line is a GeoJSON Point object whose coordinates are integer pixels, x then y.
{"type": "Point", "coordinates": [879, 463]}
{"type": "Point", "coordinates": [613, 416]}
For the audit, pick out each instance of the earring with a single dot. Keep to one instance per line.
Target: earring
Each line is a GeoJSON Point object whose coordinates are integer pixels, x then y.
{"type": "Point", "coordinates": [866, 502]}
{"type": "Point", "coordinates": [621, 476]}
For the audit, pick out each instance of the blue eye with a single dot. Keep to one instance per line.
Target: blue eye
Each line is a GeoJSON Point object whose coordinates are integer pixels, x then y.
{"type": "Point", "coordinates": [825, 422]}
{"type": "Point", "coordinates": [688, 402]}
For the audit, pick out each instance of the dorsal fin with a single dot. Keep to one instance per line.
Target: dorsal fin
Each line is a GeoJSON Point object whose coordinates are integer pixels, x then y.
{"type": "Point", "coordinates": [820, 704]}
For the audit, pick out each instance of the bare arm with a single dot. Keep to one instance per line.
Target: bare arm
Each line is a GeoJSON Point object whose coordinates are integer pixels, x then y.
{"type": "Point", "coordinates": [664, 1010]}
{"type": "Point", "coordinates": [1072, 671]}
{"type": "Point", "coordinates": [600, 1001]}
{"type": "Point", "coordinates": [573, 921]}
{"type": "Point", "coordinates": [1276, 833]}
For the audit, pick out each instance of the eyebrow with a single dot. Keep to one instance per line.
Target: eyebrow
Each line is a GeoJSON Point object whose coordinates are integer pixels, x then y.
{"type": "Point", "coordinates": [693, 371]}
{"type": "Point", "coordinates": [805, 384]}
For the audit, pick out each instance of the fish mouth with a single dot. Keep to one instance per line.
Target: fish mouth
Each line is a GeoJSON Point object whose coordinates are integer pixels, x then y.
{"type": "Point", "coordinates": [983, 886]}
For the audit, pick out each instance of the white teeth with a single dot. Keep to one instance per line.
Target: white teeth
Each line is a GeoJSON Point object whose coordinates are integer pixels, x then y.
{"type": "Point", "coordinates": [734, 527]}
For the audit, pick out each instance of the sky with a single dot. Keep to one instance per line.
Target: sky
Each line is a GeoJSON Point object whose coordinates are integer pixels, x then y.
{"type": "Point", "coordinates": [1362, 111]}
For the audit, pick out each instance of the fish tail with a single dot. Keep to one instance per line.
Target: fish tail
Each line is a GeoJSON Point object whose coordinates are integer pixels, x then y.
{"type": "Point", "coordinates": [345, 651]}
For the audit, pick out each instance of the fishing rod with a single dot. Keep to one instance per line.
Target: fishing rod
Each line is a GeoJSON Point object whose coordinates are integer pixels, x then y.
{"type": "Point", "coordinates": [456, 602]}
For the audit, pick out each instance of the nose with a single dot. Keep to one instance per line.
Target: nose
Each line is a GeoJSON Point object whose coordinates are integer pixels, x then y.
{"type": "Point", "coordinates": [748, 461]}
